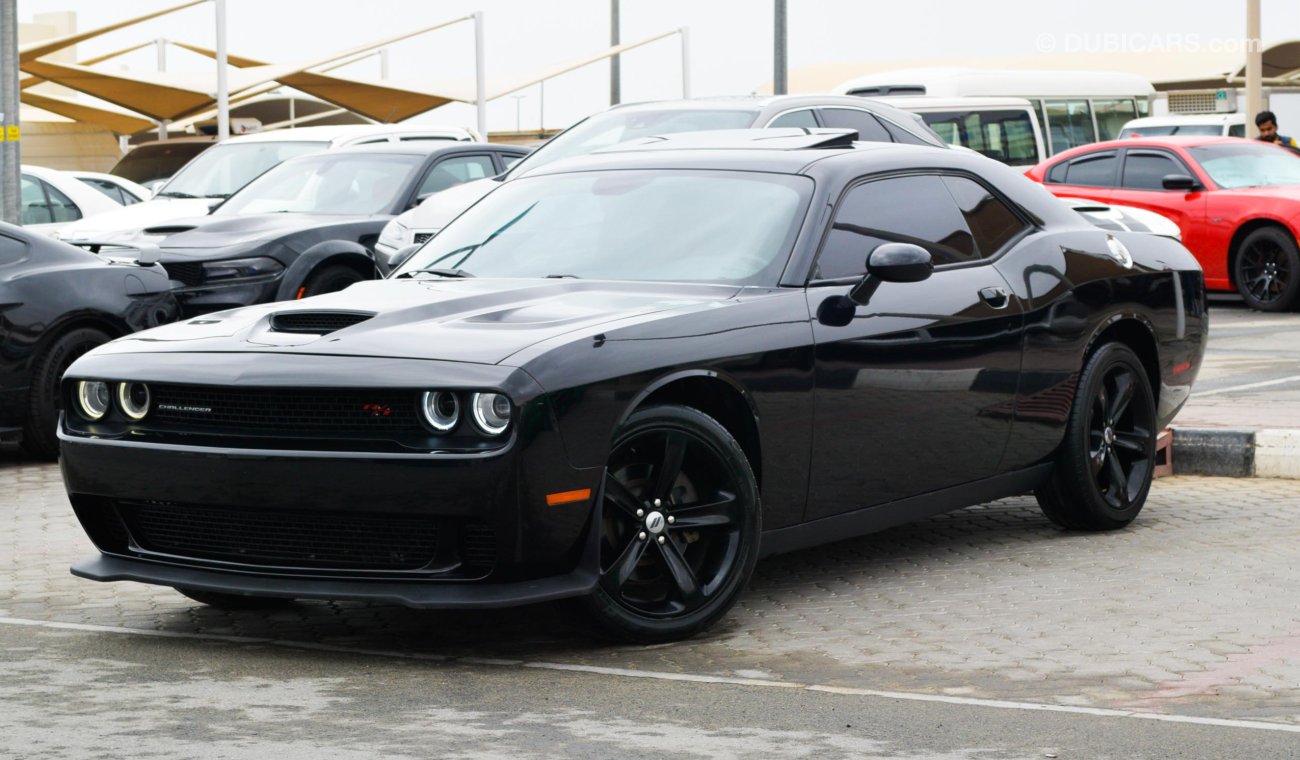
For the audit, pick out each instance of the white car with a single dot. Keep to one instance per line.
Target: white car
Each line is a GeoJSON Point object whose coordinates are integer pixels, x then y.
{"type": "Point", "coordinates": [120, 189]}
{"type": "Point", "coordinates": [216, 173]}
{"type": "Point", "coordinates": [1223, 124]}
{"type": "Point", "coordinates": [52, 199]}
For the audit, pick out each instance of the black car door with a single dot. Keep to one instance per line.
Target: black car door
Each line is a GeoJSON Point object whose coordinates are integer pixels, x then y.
{"type": "Point", "coordinates": [916, 393]}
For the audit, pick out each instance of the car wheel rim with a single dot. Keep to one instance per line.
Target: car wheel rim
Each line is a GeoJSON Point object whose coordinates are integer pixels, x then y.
{"type": "Point", "coordinates": [672, 522]}
{"type": "Point", "coordinates": [1120, 429]}
{"type": "Point", "coordinates": [1265, 271]}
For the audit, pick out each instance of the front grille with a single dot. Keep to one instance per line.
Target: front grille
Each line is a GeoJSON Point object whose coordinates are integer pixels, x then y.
{"type": "Point", "coordinates": [317, 322]}
{"type": "Point", "coordinates": [281, 410]}
{"type": "Point", "coordinates": [478, 546]}
{"type": "Point", "coordinates": [421, 238]}
{"type": "Point", "coordinates": [187, 274]}
{"type": "Point", "coordinates": [284, 539]}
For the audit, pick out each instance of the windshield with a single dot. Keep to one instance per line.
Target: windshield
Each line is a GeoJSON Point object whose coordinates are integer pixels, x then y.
{"type": "Point", "coordinates": [620, 125]}
{"type": "Point", "coordinates": [1174, 129]}
{"type": "Point", "coordinates": [1248, 164]}
{"type": "Point", "coordinates": [157, 160]}
{"type": "Point", "coordinates": [697, 226]}
{"type": "Point", "coordinates": [330, 183]}
{"type": "Point", "coordinates": [223, 169]}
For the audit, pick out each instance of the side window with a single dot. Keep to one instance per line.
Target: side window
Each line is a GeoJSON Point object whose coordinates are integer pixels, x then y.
{"type": "Point", "coordinates": [917, 210]}
{"type": "Point", "coordinates": [1069, 123]}
{"type": "Point", "coordinates": [868, 126]}
{"type": "Point", "coordinates": [1237, 130]}
{"type": "Point", "coordinates": [36, 208]}
{"type": "Point", "coordinates": [11, 251]}
{"type": "Point", "coordinates": [991, 222]}
{"type": "Point", "coordinates": [802, 118]}
{"type": "Point", "coordinates": [509, 161]}
{"type": "Point", "coordinates": [454, 171]}
{"type": "Point", "coordinates": [107, 188]}
{"type": "Point", "coordinates": [901, 135]}
{"type": "Point", "coordinates": [1057, 173]}
{"type": "Point", "coordinates": [1145, 171]}
{"type": "Point", "coordinates": [61, 206]}
{"type": "Point", "coordinates": [1095, 171]}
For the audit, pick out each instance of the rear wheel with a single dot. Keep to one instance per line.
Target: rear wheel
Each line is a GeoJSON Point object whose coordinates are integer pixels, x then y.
{"type": "Point", "coordinates": [679, 526]}
{"type": "Point", "coordinates": [1267, 270]}
{"type": "Point", "coordinates": [328, 280]}
{"type": "Point", "coordinates": [1105, 465]}
{"type": "Point", "coordinates": [235, 602]}
{"type": "Point", "coordinates": [40, 431]}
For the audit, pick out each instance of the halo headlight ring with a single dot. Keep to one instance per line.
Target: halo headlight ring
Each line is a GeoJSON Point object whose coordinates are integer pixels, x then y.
{"type": "Point", "coordinates": [440, 410]}
{"type": "Point", "coordinates": [491, 413]}
{"type": "Point", "coordinates": [93, 399]}
{"type": "Point", "coordinates": [133, 399]}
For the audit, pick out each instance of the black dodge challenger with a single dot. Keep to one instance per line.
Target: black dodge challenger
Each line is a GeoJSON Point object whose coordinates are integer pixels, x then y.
{"type": "Point", "coordinates": [624, 377]}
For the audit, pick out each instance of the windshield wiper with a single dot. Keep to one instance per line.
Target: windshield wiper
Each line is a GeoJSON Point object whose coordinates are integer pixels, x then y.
{"type": "Point", "coordinates": [436, 270]}
{"type": "Point", "coordinates": [563, 277]}
{"type": "Point", "coordinates": [175, 194]}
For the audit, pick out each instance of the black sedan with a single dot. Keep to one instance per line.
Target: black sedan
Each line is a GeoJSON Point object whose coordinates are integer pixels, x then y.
{"type": "Point", "coordinates": [623, 377]}
{"type": "Point", "coordinates": [56, 303]}
{"type": "Point", "coordinates": [308, 226]}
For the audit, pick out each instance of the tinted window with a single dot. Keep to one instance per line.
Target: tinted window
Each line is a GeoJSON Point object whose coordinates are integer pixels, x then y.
{"type": "Point", "coordinates": [61, 206]}
{"type": "Point", "coordinates": [901, 135]}
{"type": "Point", "coordinates": [1237, 130]}
{"type": "Point", "coordinates": [454, 171]}
{"type": "Point", "coordinates": [1145, 171]}
{"type": "Point", "coordinates": [36, 210]}
{"type": "Point", "coordinates": [1097, 171]}
{"type": "Point", "coordinates": [917, 210]}
{"type": "Point", "coordinates": [803, 118]}
{"type": "Point", "coordinates": [868, 126]}
{"type": "Point", "coordinates": [111, 190]}
{"type": "Point", "coordinates": [1006, 135]}
{"type": "Point", "coordinates": [11, 251]}
{"type": "Point", "coordinates": [157, 160]}
{"type": "Point", "coordinates": [991, 222]}
{"type": "Point", "coordinates": [1057, 173]}
{"type": "Point", "coordinates": [1069, 123]}
{"type": "Point", "coordinates": [509, 161]}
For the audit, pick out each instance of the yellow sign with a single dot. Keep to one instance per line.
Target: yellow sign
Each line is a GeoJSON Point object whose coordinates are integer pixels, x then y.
{"type": "Point", "coordinates": [11, 133]}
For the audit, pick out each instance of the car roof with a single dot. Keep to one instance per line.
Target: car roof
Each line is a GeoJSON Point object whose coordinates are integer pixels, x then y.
{"type": "Point", "coordinates": [1155, 141]}
{"type": "Point", "coordinates": [419, 148]}
{"type": "Point", "coordinates": [332, 133]}
{"type": "Point", "coordinates": [1187, 118]}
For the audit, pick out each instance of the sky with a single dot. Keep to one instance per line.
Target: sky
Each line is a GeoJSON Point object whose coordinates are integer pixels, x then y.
{"type": "Point", "coordinates": [730, 40]}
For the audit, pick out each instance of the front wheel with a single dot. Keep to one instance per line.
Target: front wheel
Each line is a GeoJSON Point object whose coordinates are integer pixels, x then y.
{"type": "Point", "coordinates": [679, 526]}
{"type": "Point", "coordinates": [328, 280]}
{"type": "Point", "coordinates": [40, 432]}
{"type": "Point", "coordinates": [1104, 468]}
{"type": "Point", "coordinates": [1267, 270]}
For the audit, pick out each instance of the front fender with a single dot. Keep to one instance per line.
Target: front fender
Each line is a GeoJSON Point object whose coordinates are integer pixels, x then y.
{"type": "Point", "coordinates": [333, 251]}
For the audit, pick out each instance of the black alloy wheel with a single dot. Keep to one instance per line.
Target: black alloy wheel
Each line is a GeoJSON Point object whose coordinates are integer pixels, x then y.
{"type": "Point", "coordinates": [679, 526]}
{"type": "Point", "coordinates": [235, 602]}
{"type": "Point", "coordinates": [1267, 270]}
{"type": "Point", "coordinates": [1106, 463]}
{"type": "Point", "coordinates": [328, 279]}
{"type": "Point", "coordinates": [44, 401]}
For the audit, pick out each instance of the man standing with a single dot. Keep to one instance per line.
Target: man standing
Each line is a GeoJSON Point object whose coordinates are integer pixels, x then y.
{"type": "Point", "coordinates": [1266, 122]}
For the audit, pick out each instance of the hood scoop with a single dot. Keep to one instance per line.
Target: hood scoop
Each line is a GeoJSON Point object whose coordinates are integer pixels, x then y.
{"type": "Point", "coordinates": [317, 322]}
{"type": "Point", "coordinates": [169, 229]}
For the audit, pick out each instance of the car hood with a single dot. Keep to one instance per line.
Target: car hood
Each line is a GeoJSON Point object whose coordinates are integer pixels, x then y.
{"type": "Point", "coordinates": [483, 321]}
{"type": "Point", "coordinates": [128, 220]}
{"type": "Point", "coordinates": [212, 232]}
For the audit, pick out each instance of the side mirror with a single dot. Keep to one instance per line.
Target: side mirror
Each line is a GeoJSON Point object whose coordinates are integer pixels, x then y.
{"type": "Point", "coordinates": [892, 262]}
{"type": "Point", "coordinates": [399, 258]}
{"type": "Point", "coordinates": [1180, 182]}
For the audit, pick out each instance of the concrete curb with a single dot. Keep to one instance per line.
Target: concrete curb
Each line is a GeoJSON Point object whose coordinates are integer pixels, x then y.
{"type": "Point", "coordinates": [1236, 453]}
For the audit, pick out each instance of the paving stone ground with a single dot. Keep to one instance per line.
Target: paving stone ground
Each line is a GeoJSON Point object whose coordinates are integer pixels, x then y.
{"type": "Point", "coordinates": [1194, 610]}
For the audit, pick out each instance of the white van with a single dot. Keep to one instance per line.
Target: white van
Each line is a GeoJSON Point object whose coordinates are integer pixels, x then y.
{"type": "Point", "coordinates": [1222, 124]}
{"type": "Point", "coordinates": [1005, 129]}
{"type": "Point", "coordinates": [1073, 107]}
{"type": "Point", "coordinates": [216, 173]}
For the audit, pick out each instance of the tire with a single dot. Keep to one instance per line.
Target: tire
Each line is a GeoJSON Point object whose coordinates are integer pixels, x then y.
{"type": "Point", "coordinates": [1104, 467]}
{"type": "Point", "coordinates": [40, 429]}
{"type": "Point", "coordinates": [661, 580]}
{"type": "Point", "coordinates": [1267, 270]}
{"type": "Point", "coordinates": [235, 602]}
{"type": "Point", "coordinates": [328, 279]}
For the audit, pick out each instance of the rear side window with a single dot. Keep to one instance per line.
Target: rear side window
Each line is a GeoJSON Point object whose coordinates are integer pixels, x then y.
{"type": "Point", "coordinates": [916, 210]}
{"type": "Point", "coordinates": [61, 206]}
{"type": "Point", "coordinates": [868, 127]}
{"type": "Point", "coordinates": [1237, 130]}
{"type": "Point", "coordinates": [992, 223]}
{"type": "Point", "coordinates": [454, 171]}
{"type": "Point", "coordinates": [1093, 171]}
{"type": "Point", "coordinates": [801, 118]}
{"type": "Point", "coordinates": [11, 251]}
{"type": "Point", "coordinates": [1146, 171]}
{"type": "Point", "coordinates": [1057, 173]}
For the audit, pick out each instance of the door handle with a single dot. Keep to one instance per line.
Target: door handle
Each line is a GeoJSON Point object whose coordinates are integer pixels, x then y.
{"type": "Point", "coordinates": [995, 297]}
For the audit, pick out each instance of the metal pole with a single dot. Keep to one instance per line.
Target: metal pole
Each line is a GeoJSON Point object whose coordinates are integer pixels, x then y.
{"type": "Point", "coordinates": [778, 51]}
{"type": "Point", "coordinates": [541, 107]}
{"type": "Point", "coordinates": [480, 82]}
{"type": "Point", "coordinates": [686, 61]}
{"type": "Point", "coordinates": [160, 46]}
{"type": "Point", "coordinates": [10, 152]}
{"type": "Point", "coordinates": [615, 74]}
{"type": "Point", "coordinates": [1254, 68]}
{"type": "Point", "coordinates": [383, 64]}
{"type": "Point", "coordinates": [223, 88]}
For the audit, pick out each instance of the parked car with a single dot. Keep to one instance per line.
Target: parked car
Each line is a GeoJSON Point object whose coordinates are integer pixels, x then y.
{"type": "Point", "coordinates": [119, 189]}
{"type": "Point", "coordinates": [152, 163]}
{"type": "Point", "coordinates": [873, 121]}
{"type": "Point", "coordinates": [1236, 201]}
{"type": "Point", "coordinates": [623, 377]}
{"type": "Point", "coordinates": [1004, 129]}
{"type": "Point", "coordinates": [59, 302]}
{"type": "Point", "coordinates": [52, 199]}
{"type": "Point", "coordinates": [308, 225]}
{"type": "Point", "coordinates": [1185, 125]}
{"type": "Point", "coordinates": [1112, 217]}
{"type": "Point", "coordinates": [218, 172]}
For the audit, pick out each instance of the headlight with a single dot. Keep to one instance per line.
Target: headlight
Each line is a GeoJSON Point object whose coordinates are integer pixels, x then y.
{"type": "Point", "coordinates": [394, 234]}
{"type": "Point", "coordinates": [93, 399]}
{"type": "Point", "coordinates": [441, 410]}
{"type": "Point", "coordinates": [491, 412]}
{"type": "Point", "coordinates": [238, 269]}
{"type": "Point", "coordinates": [133, 399]}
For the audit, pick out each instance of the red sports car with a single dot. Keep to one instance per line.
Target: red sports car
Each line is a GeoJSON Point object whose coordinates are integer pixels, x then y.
{"type": "Point", "coordinates": [1236, 201]}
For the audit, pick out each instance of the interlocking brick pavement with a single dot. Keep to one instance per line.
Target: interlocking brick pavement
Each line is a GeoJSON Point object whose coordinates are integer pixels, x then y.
{"type": "Point", "coordinates": [1195, 609]}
